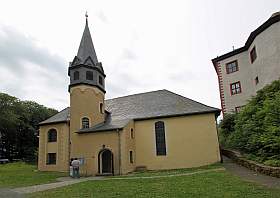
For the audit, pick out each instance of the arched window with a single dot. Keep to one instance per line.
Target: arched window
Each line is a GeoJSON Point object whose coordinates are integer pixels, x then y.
{"type": "Point", "coordinates": [85, 123]}
{"type": "Point", "coordinates": [52, 135]}
{"type": "Point", "coordinates": [89, 75]}
{"type": "Point", "coordinates": [101, 107]}
{"type": "Point", "coordinates": [131, 157]}
{"type": "Point", "coordinates": [76, 75]}
{"type": "Point", "coordinates": [160, 138]}
{"type": "Point", "coordinates": [131, 134]}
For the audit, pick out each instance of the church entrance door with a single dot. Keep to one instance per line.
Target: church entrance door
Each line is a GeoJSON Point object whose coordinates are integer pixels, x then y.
{"type": "Point", "coordinates": [105, 164]}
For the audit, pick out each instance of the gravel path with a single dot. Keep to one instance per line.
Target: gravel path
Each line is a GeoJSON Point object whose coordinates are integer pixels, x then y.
{"type": "Point", "coordinates": [42, 187]}
{"type": "Point", "coordinates": [249, 175]}
{"type": "Point", "coordinates": [8, 193]}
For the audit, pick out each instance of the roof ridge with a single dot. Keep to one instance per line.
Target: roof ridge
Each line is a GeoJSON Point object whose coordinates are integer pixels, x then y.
{"type": "Point", "coordinates": [64, 109]}
{"type": "Point", "coordinates": [49, 120]}
{"type": "Point", "coordinates": [192, 100]}
{"type": "Point", "coordinates": [136, 94]}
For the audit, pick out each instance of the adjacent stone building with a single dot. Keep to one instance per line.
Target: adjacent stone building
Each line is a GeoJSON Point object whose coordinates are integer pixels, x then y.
{"type": "Point", "coordinates": [153, 130]}
{"type": "Point", "coordinates": [244, 71]}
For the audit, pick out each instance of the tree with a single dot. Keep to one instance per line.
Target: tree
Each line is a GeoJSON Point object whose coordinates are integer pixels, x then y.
{"type": "Point", "coordinates": [19, 127]}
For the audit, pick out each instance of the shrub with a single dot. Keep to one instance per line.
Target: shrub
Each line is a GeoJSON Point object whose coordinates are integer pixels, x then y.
{"type": "Point", "coordinates": [256, 129]}
{"type": "Point", "coordinates": [226, 128]}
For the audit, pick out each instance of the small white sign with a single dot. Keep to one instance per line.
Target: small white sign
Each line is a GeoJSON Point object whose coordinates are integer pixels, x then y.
{"type": "Point", "coordinates": [82, 161]}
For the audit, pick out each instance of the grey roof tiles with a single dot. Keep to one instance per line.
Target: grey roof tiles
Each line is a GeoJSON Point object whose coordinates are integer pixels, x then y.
{"type": "Point", "coordinates": [86, 55]}
{"type": "Point", "coordinates": [155, 104]}
{"type": "Point", "coordinates": [62, 116]}
{"type": "Point", "coordinates": [86, 48]}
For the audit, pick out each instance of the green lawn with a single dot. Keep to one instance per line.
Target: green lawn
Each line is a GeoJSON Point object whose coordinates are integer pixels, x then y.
{"type": "Point", "coordinates": [172, 172]}
{"type": "Point", "coordinates": [22, 174]}
{"type": "Point", "coordinates": [219, 184]}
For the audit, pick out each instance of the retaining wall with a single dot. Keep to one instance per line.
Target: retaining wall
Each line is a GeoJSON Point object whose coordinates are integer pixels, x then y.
{"type": "Point", "coordinates": [239, 159]}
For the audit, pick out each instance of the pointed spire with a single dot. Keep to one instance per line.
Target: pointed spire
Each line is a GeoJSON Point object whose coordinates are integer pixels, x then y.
{"type": "Point", "coordinates": [86, 48]}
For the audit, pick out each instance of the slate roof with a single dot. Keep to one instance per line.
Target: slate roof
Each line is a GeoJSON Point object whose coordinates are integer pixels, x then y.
{"type": "Point", "coordinates": [62, 116]}
{"type": "Point", "coordinates": [86, 53]}
{"type": "Point", "coordinates": [155, 104]}
{"type": "Point", "coordinates": [86, 48]}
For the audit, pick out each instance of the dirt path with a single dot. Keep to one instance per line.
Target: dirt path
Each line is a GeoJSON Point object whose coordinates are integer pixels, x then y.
{"type": "Point", "coordinates": [249, 175]}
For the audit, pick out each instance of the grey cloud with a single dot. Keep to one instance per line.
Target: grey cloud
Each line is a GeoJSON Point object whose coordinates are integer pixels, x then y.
{"type": "Point", "coordinates": [34, 72]}
{"type": "Point", "coordinates": [114, 89]}
{"type": "Point", "coordinates": [183, 76]}
{"type": "Point", "coordinates": [119, 83]}
{"type": "Point", "coordinates": [16, 49]}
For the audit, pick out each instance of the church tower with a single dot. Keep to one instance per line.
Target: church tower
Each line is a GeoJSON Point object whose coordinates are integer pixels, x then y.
{"type": "Point", "coordinates": [87, 89]}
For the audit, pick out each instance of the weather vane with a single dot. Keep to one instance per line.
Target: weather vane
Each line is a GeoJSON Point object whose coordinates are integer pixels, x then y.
{"type": "Point", "coordinates": [86, 15]}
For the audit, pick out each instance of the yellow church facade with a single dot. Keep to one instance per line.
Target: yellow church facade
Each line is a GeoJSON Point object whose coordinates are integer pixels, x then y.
{"type": "Point", "coordinates": [148, 131]}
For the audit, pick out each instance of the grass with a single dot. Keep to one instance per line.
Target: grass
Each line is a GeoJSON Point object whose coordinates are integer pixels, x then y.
{"type": "Point", "coordinates": [21, 174]}
{"type": "Point", "coordinates": [171, 172]}
{"type": "Point", "coordinates": [218, 184]}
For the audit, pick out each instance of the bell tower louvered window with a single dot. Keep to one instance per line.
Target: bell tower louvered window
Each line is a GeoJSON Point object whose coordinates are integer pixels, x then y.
{"type": "Point", "coordinates": [76, 75]}
{"type": "Point", "coordinates": [89, 75]}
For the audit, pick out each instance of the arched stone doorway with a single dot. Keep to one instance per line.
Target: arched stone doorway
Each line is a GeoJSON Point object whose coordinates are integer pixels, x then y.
{"type": "Point", "coordinates": [105, 162]}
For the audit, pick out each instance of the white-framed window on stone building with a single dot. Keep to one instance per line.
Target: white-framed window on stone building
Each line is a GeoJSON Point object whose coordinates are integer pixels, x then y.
{"type": "Point", "coordinates": [51, 158]}
{"type": "Point", "coordinates": [253, 54]}
{"type": "Point", "coordinates": [232, 67]}
{"type": "Point", "coordinates": [85, 123]}
{"type": "Point", "coordinates": [235, 88]}
{"type": "Point", "coordinates": [238, 109]}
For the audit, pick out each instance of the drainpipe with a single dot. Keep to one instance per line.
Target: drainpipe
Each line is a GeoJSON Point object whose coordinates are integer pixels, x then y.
{"type": "Point", "coordinates": [119, 136]}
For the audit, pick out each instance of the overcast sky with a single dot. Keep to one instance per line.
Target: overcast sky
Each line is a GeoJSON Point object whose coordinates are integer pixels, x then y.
{"type": "Point", "coordinates": [144, 45]}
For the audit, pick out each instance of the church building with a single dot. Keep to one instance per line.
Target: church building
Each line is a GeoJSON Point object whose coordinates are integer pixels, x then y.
{"type": "Point", "coordinates": [146, 131]}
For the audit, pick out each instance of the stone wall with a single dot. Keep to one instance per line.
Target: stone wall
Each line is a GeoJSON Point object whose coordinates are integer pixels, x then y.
{"type": "Point", "coordinates": [239, 159]}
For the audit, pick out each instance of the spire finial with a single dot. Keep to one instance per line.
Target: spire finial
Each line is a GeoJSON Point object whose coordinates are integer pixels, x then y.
{"type": "Point", "coordinates": [86, 15]}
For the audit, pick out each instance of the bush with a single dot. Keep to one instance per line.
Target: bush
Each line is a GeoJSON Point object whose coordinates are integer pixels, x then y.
{"type": "Point", "coordinates": [226, 128]}
{"type": "Point", "coordinates": [272, 163]}
{"type": "Point", "coordinates": [256, 129]}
